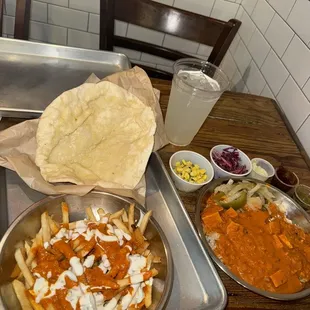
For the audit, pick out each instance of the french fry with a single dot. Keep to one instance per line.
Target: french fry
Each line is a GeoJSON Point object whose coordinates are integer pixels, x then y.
{"type": "Point", "coordinates": [23, 267]}
{"type": "Point", "coordinates": [46, 232]}
{"type": "Point", "coordinates": [87, 248]}
{"type": "Point", "coordinates": [20, 292]}
{"type": "Point", "coordinates": [149, 261]}
{"type": "Point", "coordinates": [39, 238]}
{"type": "Point", "coordinates": [116, 215]}
{"type": "Point", "coordinates": [32, 252]}
{"type": "Point", "coordinates": [101, 213]}
{"type": "Point", "coordinates": [146, 253]}
{"type": "Point", "coordinates": [125, 217]}
{"type": "Point", "coordinates": [143, 247]}
{"type": "Point", "coordinates": [65, 213]}
{"type": "Point", "coordinates": [111, 303]}
{"type": "Point", "coordinates": [131, 217]}
{"type": "Point", "coordinates": [54, 227]}
{"type": "Point", "coordinates": [144, 221]}
{"type": "Point", "coordinates": [138, 237]}
{"type": "Point", "coordinates": [119, 224]}
{"type": "Point", "coordinates": [27, 247]}
{"type": "Point", "coordinates": [148, 296]}
{"type": "Point", "coordinates": [157, 260]}
{"type": "Point", "coordinates": [90, 214]}
{"type": "Point", "coordinates": [34, 305]}
{"type": "Point", "coordinates": [16, 272]}
{"type": "Point", "coordinates": [138, 278]}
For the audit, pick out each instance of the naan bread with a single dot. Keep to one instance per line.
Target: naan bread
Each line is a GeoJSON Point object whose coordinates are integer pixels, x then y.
{"type": "Point", "coordinates": [95, 134]}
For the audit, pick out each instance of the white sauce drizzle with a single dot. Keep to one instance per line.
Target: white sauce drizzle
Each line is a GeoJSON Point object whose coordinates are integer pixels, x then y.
{"type": "Point", "coordinates": [76, 265]}
{"type": "Point", "coordinates": [137, 263]}
{"type": "Point", "coordinates": [89, 261]}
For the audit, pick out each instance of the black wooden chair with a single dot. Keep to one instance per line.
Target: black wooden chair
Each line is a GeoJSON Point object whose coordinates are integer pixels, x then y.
{"type": "Point", "coordinates": [159, 17]}
{"type": "Point", "coordinates": [22, 18]}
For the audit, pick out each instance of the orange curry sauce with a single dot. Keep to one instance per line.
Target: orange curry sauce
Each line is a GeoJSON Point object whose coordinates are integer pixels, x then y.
{"type": "Point", "coordinates": [261, 248]}
{"type": "Point", "coordinates": [55, 260]}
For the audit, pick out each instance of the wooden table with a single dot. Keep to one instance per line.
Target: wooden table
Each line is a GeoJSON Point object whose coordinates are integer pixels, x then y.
{"type": "Point", "coordinates": [254, 125]}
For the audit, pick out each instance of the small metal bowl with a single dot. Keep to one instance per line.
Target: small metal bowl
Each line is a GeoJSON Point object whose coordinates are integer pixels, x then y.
{"type": "Point", "coordinates": [28, 224]}
{"type": "Point", "coordinates": [293, 212]}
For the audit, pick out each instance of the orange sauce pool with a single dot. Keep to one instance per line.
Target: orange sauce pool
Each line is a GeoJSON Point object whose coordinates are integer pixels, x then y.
{"type": "Point", "coordinates": [262, 249]}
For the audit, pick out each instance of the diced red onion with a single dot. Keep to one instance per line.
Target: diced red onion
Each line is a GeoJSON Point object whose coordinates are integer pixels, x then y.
{"type": "Point", "coordinates": [229, 160]}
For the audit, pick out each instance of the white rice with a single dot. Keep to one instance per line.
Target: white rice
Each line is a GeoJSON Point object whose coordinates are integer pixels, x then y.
{"type": "Point", "coordinates": [212, 238]}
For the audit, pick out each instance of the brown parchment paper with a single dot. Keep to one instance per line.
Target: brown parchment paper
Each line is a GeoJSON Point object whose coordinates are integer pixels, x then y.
{"type": "Point", "coordinates": [18, 143]}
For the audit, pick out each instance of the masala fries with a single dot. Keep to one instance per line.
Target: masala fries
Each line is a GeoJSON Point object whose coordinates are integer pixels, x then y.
{"type": "Point", "coordinates": [64, 243]}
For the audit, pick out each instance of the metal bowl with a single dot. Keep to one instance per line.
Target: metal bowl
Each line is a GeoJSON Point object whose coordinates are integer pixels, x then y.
{"type": "Point", "coordinates": [293, 212]}
{"type": "Point", "coordinates": [28, 224]}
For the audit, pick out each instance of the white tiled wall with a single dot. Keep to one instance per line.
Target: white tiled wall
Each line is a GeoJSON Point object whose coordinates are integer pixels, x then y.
{"type": "Point", "coordinates": [76, 23]}
{"type": "Point", "coordinates": [270, 56]}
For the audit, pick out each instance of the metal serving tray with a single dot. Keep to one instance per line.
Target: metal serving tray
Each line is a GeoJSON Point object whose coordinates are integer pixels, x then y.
{"type": "Point", "coordinates": [196, 284]}
{"type": "Point", "coordinates": [33, 74]}
{"type": "Point", "coordinates": [286, 204]}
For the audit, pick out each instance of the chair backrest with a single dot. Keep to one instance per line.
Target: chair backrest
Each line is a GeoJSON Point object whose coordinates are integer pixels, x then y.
{"type": "Point", "coordinates": [22, 18]}
{"type": "Point", "coordinates": [166, 19]}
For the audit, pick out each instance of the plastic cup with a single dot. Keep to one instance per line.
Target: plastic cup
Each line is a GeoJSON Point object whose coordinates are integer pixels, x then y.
{"type": "Point", "coordinates": [196, 87]}
{"type": "Point", "coordinates": [285, 180]}
{"type": "Point", "coordinates": [266, 165]}
{"type": "Point", "coordinates": [302, 196]}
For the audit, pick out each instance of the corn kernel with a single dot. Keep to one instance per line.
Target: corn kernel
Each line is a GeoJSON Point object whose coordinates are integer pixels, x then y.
{"type": "Point", "coordinates": [183, 162]}
{"type": "Point", "coordinates": [193, 173]}
{"type": "Point", "coordinates": [177, 164]}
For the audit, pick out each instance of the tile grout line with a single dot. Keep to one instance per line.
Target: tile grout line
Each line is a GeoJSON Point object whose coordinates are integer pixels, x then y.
{"type": "Point", "coordinates": [281, 62]}
{"type": "Point", "coordinates": [258, 68]}
{"type": "Point", "coordinates": [67, 7]}
{"type": "Point", "coordinates": [306, 82]}
{"type": "Point", "coordinates": [88, 21]}
{"type": "Point", "coordinates": [287, 47]}
{"type": "Point", "coordinates": [47, 13]}
{"type": "Point", "coordinates": [285, 21]}
{"type": "Point", "coordinates": [302, 123]}
{"type": "Point", "coordinates": [283, 85]}
{"type": "Point", "coordinates": [212, 8]}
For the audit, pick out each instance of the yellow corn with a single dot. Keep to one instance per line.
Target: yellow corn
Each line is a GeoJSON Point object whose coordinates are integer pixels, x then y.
{"type": "Point", "coordinates": [190, 172]}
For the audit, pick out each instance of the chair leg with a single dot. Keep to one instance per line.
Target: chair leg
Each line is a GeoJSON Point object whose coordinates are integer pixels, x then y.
{"type": "Point", "coordinates": [22, 18]}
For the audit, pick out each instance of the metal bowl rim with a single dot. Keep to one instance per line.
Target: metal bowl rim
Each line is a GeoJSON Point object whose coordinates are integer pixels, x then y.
{"type": "Point", "coordinates": [170, 273]}
{"type": "Point", "coordinates": [275, 296]}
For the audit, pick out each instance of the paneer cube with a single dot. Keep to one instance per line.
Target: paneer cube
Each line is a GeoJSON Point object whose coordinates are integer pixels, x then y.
{"type": "Point", "coordinates": [284, 239]}
{"type": "Point", "coordinates": [233, 228]}
{"type": "Point", "coordinates": [232, 213]}
{"type": "Point", "coordinates": [277, 242]}
{"type": "Point", "coordinates": [279, 278]}
{"type": "Point", "coordinates": [211, 220]}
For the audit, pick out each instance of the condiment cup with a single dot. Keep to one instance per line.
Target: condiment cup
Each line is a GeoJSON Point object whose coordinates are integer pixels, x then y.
{"type": "Point", "coordinates": [266, 165]}
{"type": "Point", "coordinates": [282, 184]}
{"type": "Point", "coordinates": [196, 159]}
{"type": "Point", "coordinates": [302, 196]}
{"type": "Point", "coordinates": [221, 173]}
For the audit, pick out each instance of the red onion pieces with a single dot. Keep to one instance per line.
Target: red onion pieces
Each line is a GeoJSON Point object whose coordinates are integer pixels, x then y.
{"type": "Point", "coordinates": [229, 160]}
